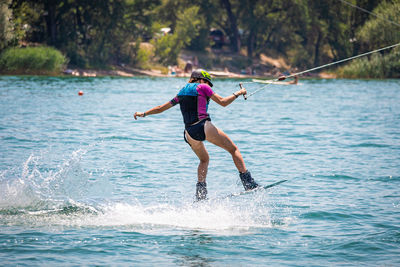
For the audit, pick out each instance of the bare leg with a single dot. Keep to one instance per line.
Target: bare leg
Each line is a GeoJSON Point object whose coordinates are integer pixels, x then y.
{"type": "Point", "coordinates": [219, 138]}
{"type": "Point", "coordinates": [201, 152]}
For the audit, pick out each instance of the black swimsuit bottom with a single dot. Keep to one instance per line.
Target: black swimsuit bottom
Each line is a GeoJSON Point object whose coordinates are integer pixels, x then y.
{"type": "Point", "coordinates": [196, 131]}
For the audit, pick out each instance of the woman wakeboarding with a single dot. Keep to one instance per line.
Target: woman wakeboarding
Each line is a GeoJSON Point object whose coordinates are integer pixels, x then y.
{"type": "Point", "coordinates": [193, 99]}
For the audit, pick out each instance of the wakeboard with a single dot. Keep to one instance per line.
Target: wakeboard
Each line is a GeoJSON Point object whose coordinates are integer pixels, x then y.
{"type": "Point", "coordinates": [254, 190]}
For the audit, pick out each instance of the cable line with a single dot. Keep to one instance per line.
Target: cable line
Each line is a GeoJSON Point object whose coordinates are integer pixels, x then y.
{"type": "Point", "coordinates": [332, 63]}
{"type": "Point", "coordinates": [369, 12]}
{"type": "Point", "coordinates": [317, 68]}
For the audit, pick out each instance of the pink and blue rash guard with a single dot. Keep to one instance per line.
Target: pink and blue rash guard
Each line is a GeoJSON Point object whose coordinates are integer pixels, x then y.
{"type": "Point", "coordinates": [193, 99]}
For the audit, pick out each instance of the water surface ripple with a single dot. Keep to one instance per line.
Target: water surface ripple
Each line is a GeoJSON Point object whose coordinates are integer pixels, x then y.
{"type": "Point", "coordinates": [82, 183]}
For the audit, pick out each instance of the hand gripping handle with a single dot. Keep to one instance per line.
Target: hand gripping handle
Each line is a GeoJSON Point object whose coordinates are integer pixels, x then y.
{"type": "Point", "coordinates": [245, 95]}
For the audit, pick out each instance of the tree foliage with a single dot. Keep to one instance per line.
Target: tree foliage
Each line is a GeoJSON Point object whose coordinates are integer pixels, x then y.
{"type": "Point", "coordinates": [91, 33]}
{"type": "Point", "coordinates": [379, 29]}
{"type": "Point", "coordinates": [97, 33]}
{"type": "Point", "coordinates": [186, 29]}
{"type": "Point", "coordinates": [6, 28]}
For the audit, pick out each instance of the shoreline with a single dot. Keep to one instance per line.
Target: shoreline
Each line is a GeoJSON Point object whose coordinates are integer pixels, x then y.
{"type": "Point", "coordinates": [123, 71]}
{"type": "Point", "coordinates": [133, 72]}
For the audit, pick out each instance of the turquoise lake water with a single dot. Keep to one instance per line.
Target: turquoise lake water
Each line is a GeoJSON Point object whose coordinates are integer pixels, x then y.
{"type": "Point", "coordinates": [82, 183]}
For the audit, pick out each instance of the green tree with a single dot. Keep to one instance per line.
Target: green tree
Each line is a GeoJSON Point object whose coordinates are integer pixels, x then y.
{"type": "Point", "coordinates": [273, 26]}
{"type": "Point", "coordinates": [358, 19]}
{"type": "Point", "coordinates": [378, 31]}
{"type": "Point", "coordinates": [98, 33]}
{"type": "Point", "coordinates": [233, 29]}
{"type": "Point", "coordinates": [6, 26]}
{"type": "Point", "coordinates": [168, 47]}
{"type": "Point", "coordinates": [92, 33]}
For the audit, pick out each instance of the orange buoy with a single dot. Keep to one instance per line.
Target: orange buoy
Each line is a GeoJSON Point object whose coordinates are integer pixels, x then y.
{"type": "Point", "coordinates": [80, 93]}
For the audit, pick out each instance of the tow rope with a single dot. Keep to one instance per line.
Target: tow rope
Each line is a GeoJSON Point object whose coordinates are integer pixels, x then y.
{"type": "Point", "coordinates": [281, 78]}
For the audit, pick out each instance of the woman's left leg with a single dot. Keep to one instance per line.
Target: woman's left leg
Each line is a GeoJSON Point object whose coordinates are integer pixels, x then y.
{"type": "Point", "coordinates": [221, 139]}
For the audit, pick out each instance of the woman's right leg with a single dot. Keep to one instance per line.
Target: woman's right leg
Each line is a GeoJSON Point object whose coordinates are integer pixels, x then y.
{"type": "Point", "coordinates": [201, 152]}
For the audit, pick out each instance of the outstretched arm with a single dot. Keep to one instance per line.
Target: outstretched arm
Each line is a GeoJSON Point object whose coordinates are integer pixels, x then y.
{"type": "Point", "coordinates": [225, 101]}
{"type": "Point", "coordinates": [154, 110]}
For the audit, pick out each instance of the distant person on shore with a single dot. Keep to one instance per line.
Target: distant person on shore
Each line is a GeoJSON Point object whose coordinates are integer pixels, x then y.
{"type": "Point", "coordinates": [193, 99]}
{"type": "Point", "coordinates": [188, 67]}
{"type": "Point", "coordinates": [171, 70]}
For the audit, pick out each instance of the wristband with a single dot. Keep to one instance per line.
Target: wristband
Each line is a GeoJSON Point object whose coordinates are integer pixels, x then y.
{"type": "Point", "coordinates": [236, 95]}
{"type": "Point", "coordinates": [144, 114]}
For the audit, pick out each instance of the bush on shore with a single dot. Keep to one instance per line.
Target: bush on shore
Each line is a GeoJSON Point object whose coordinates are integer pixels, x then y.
{"type": "Point", "coordinates": [377, 66]}
{"type": "Point", "coordinates": [32, 60]}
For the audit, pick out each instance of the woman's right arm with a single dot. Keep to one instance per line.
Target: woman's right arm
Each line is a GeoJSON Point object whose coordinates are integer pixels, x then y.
{"type": "Point", "coordinates": [225, 101]}
{"type": "Point", "coordinates": [155, 110]}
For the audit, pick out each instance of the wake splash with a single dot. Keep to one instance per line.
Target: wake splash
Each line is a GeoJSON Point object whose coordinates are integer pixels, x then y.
{"type": "Point", "coordinates": [35, 189]}
{"type": "Point", "coordinates": [69, 197]}
{"type": "Point", "coordinates": [220, 217]}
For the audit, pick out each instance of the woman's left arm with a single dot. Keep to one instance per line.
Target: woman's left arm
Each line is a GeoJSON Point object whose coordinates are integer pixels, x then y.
{"type": "Point", "coordinates": [155, 110]}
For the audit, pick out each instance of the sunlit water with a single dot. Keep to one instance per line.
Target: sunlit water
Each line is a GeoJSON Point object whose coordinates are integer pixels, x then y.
{"type": "Point", "coordinates": [82, 183]}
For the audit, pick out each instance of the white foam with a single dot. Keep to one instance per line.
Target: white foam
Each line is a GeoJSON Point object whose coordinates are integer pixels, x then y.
{"type": "Point", "coordinates": [36, 188]}
{"type": "Point", "coordinates": [59, 198]}
{"type": "Point", "coordinates": [223, 217]}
